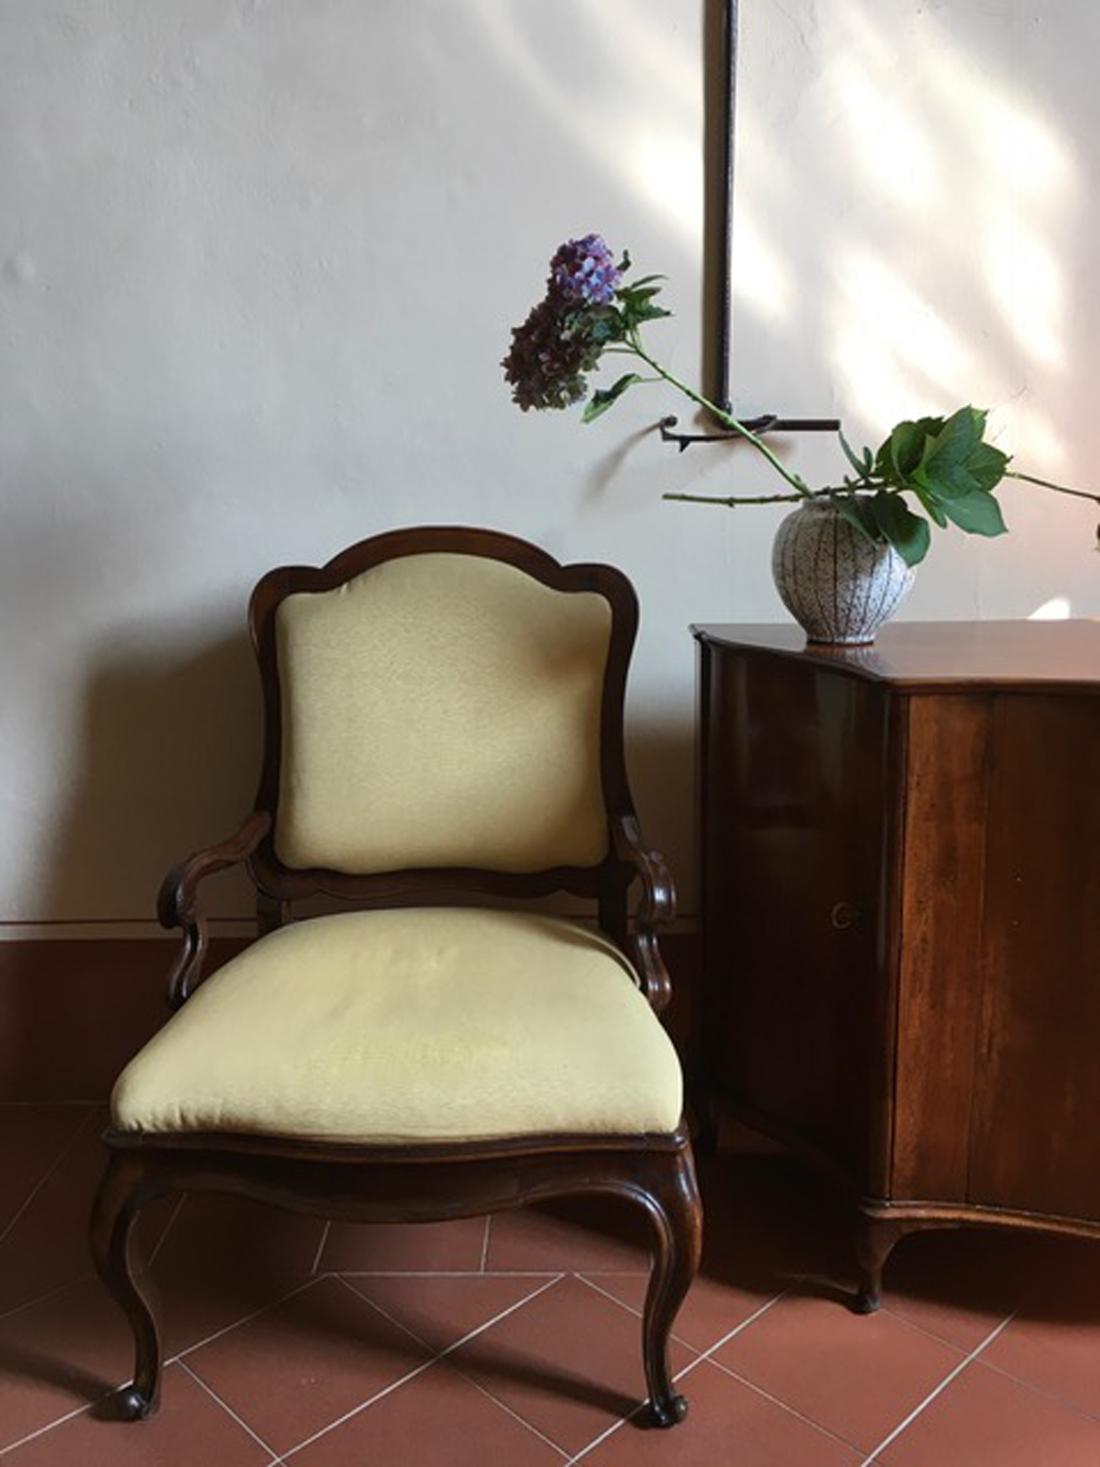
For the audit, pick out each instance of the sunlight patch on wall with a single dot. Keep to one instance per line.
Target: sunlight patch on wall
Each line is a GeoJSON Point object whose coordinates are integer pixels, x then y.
{"type": "Point", "coordinates": [664, 169]}
{"type": "Point", "coordinates": [761, 279]}
{"type": "Point", "coordinates": [1058, 608]}
{"type": "Point", "coordinates": [1007, 137]}
{"type": "Point", "coordinates": [934, 129]}
{"type": "Point", "coordinates": [1031, 437]}
{"type": "Point", "coordinates": [892, 350]}
{"type": "Point", "coordinates": [887, 141]}
{"type": "Point", "coordinates": [1026, 283]}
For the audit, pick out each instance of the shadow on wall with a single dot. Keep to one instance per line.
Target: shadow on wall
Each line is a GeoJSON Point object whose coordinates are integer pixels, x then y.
{"type": "Point", "coordinates": [661, 763]}
{"type": "Point", "coordinates": [165, 760]}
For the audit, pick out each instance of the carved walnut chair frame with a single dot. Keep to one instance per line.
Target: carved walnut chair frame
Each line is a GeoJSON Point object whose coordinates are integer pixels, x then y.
{"type": "Point", "coordinates": [417, 1182]}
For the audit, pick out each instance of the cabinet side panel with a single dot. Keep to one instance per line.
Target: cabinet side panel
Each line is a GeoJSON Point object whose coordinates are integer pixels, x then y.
{"type": "Point", "coordinates": [939, 979]}
{"type": "Point", "coordinates": [1035, 1139]}
{"type": "Point", "coordinates": [794, 857]}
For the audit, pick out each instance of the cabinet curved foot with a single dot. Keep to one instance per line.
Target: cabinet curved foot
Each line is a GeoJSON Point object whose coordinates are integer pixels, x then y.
{"type": "Point", "coordinates": [866, 1301]}
{"type": "Point", "coordinates": [877, 1237]}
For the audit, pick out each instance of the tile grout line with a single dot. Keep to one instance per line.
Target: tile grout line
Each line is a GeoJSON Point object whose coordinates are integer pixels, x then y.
{"type": "Point", "coordinates": [485, 1241]}
{"type": "Point", "coordinates": [321, 1245]}
{"type": "Point", "coordinates": [42, 1430]}
{"type": "Point", "coordinates": [514, 1414]}
{"type": "Point", "coordinates": [691, 1365]}
{"type": "Point", "coordinates": [167, 1229]}
{"type": "Point", "coordinates": [68, 1146]}
{"type": "Point", "coordinates": [872, 1458]}
{"type": "Point", "coordinates": [244, 1319]}
{"type": "Point", "coordinates": [783, 1406]}
{"type": "Point", "coordinates": [637, 1313]}
{"type": "Point", "coordinates": [168, 1360]}
{"type": "Point", "coordinates": [444, 1273]}
{"type": "Point", "coordinates": [49, 1294]}
{"type": "Point", "coordinates": [356, 1410]}
{"type": "Point", "coordinates": [419, 1369]}
{"type": "Point", "coordinates": [229, 1410]}
{"type": "Point", "coordinates": [1038, 1390]}
{"type": "Point", "coordinates": [472, 1334]}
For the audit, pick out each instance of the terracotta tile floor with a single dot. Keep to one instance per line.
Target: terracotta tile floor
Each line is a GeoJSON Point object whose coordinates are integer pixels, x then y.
{"type": "Point", "coordinates": [515, 1340]}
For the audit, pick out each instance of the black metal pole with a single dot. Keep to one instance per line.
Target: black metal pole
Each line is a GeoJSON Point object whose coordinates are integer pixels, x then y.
{"type": "Point", "coordinates": [724, 331]}
{"type": "Point", "coordinates": [722, 30]}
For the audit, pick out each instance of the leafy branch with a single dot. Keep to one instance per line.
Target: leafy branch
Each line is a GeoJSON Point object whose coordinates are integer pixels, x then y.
{"type": "Point", "coordinates": [943, 464]}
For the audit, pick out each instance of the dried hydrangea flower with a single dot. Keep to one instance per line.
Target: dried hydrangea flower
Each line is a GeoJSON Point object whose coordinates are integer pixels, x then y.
{"type": "Point", "coordinates": [548, 358]}
{"type": "Point", "coordinates": [583, 272]}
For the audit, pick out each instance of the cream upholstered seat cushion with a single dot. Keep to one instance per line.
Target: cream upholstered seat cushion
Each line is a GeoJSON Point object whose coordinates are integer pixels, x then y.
{"type": "Point", "coordinates": [441, 710]}
{"type": "Point", "coordinates": [412, 1025]}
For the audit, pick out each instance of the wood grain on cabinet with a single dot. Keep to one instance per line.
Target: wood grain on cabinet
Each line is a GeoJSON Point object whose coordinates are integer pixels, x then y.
{"type": "Point", "coordinates": [901, 908]}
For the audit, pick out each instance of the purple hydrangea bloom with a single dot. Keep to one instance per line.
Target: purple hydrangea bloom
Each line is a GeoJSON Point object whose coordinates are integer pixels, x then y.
{"type": "Point", "coordinates": [583, 272]}
{"type": "Point", "coordinates": [548, 359]}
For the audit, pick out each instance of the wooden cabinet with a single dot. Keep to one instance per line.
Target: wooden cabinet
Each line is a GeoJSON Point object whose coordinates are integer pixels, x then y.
{"type": "Point", "coordinates": [901, 909]}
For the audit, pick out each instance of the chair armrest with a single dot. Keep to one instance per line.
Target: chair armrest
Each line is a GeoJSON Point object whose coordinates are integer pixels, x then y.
{"type": "Point", "coordinates": [656, 907]}
{"type": "Point", "coordinates": [178, 901]}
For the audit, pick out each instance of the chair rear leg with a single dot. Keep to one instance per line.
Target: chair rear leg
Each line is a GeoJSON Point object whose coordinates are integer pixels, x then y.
{"type": "Point", "coordinates": [674, 1206]}
{"type": "Point", "coordinates": [120, 1197]}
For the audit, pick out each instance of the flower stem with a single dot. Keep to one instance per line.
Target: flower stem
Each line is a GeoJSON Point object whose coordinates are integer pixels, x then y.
{"type": "Point", "coordinates": [796, 483]}
{"type": "Point", "coordinates": [1058, 488]}
{"type": "Point", "coordinates": [734, 500]}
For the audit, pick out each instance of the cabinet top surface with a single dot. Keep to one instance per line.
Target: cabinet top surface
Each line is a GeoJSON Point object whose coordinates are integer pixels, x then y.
{"type": "Point", "coordinates": [937, 654]}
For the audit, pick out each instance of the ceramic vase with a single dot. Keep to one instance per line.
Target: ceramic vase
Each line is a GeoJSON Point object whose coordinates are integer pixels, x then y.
{"type": "Point", "coordinates": [837, 584]}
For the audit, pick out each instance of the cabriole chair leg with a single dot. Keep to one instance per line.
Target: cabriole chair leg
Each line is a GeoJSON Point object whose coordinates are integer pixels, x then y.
{"type": "Point", "coordinates": [120, 1197]}
{"type": "Point", "coordinates": [677, 1216]}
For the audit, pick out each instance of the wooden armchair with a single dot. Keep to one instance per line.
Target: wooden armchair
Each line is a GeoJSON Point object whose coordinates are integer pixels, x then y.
{"type": "Point", "coordinates": [443, 727]}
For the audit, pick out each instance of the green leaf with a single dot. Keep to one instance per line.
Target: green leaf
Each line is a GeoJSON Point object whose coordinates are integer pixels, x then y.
{"type": "Point", "coordinates": [988, 465]}
{"type": "Point", "coordinates": [605, 328]}
{"type": "Point", "coordinates": [954, 443]}
{"type": "Point", "coordinates": [646, 280]}
{"type": "Point", "coordinates": [901, 452]}
{"type": "Point", "coordinates": [855, 512]}
{"type": "Point", "coordinates": [907, 532]}
{"type": "Point", "coordinates": [977, 513]}
{"type": "Point", "coordinates": [608, 397]}
{"type": "Point", "coordinates": [860, 466]}
{"type": "Point", "coordinates": [950, 481]}
{"type": "Point", "coordinates": [930, 505]}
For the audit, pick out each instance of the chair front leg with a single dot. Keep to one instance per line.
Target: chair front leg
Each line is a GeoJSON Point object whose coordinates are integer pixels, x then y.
{"type": "Point", "coordinates": [677, 1215]}
{"type": "Point", "coordinates": [121, 1195]}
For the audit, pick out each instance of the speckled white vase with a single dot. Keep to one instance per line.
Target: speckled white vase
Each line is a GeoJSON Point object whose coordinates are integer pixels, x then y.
{"type": "Point", "coordinates": [836, 584]}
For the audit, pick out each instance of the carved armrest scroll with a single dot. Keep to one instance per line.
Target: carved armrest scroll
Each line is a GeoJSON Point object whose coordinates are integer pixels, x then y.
{"type": "Point", "coordinates": [178, 901]}
{"type": "Point", "coordinates": [656, 907]}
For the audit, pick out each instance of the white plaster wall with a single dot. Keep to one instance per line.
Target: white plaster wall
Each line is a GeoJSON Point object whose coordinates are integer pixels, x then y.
{"type": "Point", "coordinates": [259, 260]}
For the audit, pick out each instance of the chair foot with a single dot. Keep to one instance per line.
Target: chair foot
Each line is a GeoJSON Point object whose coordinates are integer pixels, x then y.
{"type": "Point", "coordinates": [866, 1301]}
{"type": "Point", "coordinates": [129, 1403]}
{"type": "Point", "coordinates": [674, 1208]}
{"type": "Point", "coordinates": [668, 1412]}
{"type": "Point", "coordinates": [122, 1193]}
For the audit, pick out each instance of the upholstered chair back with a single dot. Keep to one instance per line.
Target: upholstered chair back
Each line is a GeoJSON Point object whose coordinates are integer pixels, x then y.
{"type": "Point", "coordinates": [441, 710]}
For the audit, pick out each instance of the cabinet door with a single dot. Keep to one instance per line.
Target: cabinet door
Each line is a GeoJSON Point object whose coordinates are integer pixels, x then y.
{"type": "Point", "coordinates": [1035, 1142]}
{"type": "Point", "coordinates": [949, 750]}
{"type": "Point", "coordinates": [796, 878]}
